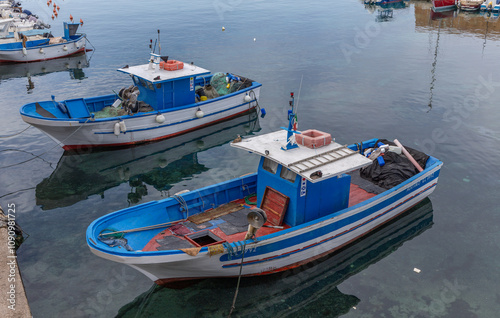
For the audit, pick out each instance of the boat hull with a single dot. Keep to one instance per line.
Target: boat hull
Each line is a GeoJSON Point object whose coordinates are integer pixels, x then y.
{"type": "Point", "coordinates": [141, 128]}
{"type": "Point", "coordinates": [43, 52]}
{"type": "Point", "coordinates": [279, 251]}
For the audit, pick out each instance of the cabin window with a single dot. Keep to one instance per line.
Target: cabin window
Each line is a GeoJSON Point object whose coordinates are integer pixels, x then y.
{"type": "Point", "coordinates": [288, 174]}
{"type": "Point", "coordinates": [270, 165]}
{"type": "Point", "coordinates": [150, 86]}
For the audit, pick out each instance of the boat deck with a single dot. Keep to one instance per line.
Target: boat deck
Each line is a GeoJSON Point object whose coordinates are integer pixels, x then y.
{"type": "Point", "coordinates": [228, 223]}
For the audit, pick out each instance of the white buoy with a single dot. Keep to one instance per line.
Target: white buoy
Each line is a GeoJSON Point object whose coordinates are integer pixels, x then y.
{"type": "Point", "coordinates": [199, 113]}
{"type": "Point", "coordinates": [247, 98]}
{"type": "Point", "coordinates": [223, 29]}
{"type": "Point", "coordinates": [41, 51]}
{"type": "Point", "coordinates": [117, 129]}
{"type": "Point", "coordinates": [25, 52]}
{"type": "Point", "coordinates": [160, 118]}
{"type": "Point", "coordinates": [254, 39]}
{"type": "Point", "coordinates": [123, 127]}
{"type": "Point", "coordinates": [65, 48]}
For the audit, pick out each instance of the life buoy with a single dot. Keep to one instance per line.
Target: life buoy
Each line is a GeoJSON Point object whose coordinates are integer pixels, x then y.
{"type": "Point", "coordinates": [171, 65]}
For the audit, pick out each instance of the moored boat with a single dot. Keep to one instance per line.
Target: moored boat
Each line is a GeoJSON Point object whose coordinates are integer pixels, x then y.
{"type": "Point", "coordinates": [315, 196]}
{"type": "Point", "coordinates": [444, 5]}
{"type": "Point", "coordinates": [167, 98]}
{"type": "Point", "coordinates": [470, 5]}
{"type": "Point", "coordinates": [490, 6]}
{"type": "Point", "coordinates": [22, 48]}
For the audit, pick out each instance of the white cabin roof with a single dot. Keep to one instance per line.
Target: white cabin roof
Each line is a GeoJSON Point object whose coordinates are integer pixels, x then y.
{"type": "Point", "coordinates": [151, 71]}
{"type": "Point", "coordinates": [333, 159]}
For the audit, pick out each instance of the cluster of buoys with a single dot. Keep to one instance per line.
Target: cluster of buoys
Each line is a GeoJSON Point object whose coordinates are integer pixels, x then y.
{"type": "Point", "coordinates": [55, 11]}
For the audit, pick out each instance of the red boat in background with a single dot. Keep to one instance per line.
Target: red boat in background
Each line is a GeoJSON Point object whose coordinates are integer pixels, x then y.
{"type": "Point", "coordinates": [444, 5]}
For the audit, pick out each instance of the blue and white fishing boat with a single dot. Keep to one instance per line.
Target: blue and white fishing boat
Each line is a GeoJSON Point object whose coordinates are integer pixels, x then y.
{"type": "Point", "coordinates": [167, 98]}
{"type": "Point", "coordinates": [312, 202]}
{"type": "Point", "coordinates": [21, 48]}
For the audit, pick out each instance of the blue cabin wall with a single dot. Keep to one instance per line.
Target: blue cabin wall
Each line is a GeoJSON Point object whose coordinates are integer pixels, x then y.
{"type": "Point", "coordinates": [168, 94]}
{"type": "Point", "coordinates": [321, 198]}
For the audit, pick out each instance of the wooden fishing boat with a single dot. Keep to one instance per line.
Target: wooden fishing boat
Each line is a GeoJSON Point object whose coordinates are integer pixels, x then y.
{"type": "Point", "coordinates": [21, 48]}
{"type": "Point", "coordinates": [301, 287]}
{"type": "Point", "coordinates": [168, 98]}
{"type": "Point", "coordinates": [312, 202]}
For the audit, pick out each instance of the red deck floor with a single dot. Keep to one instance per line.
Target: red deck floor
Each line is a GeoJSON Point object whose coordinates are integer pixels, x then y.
{"type": "Point", "coordinates": [356, 196]}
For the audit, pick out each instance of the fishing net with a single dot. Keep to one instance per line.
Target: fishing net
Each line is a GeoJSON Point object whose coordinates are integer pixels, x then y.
{"type": "Point", "coordinates": [219, 82]}
{"type": "Point", "coordinates": [110, 111]}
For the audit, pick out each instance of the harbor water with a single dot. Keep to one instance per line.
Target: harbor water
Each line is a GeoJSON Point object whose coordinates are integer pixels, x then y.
{"type": "Point", "coordinates": [358, 72]}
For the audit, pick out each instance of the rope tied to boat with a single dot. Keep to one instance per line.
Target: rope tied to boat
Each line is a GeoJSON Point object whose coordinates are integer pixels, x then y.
{"type": "Point", "coordinates": [183, 204]}
{"type": "Point", "coordinates": [8, 136]}
{"type": "Point", "coordinates": [239, 279]}
{"type": "Point", "coordinates": [50, 149]}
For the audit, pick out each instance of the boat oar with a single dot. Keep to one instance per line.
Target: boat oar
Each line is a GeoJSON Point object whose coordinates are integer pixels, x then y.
{"type": "Point", "coordinates": [145, 228]}
{"type": "Point", "coordinates": [407, 154]}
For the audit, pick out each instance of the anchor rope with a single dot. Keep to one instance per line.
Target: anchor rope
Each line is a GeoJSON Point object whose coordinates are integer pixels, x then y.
{"type": "Point", "coordinates": [239, 279]}
{"type": "Point", "coordinates": [50, 149]}
{"type": "Point", "coordinates": [8, 136]}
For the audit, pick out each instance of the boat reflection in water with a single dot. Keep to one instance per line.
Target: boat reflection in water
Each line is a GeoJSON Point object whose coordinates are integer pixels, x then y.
{"type": "Point", "coordinates": [384, 8]}
{"type": "Point", "coordinates": [298, 292]}
{"type": "Point", "coordinates": [82, 173]}
{"type": "Point", "coordinates": [73, 64]}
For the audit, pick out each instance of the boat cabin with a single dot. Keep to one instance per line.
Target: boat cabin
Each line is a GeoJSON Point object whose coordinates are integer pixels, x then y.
{"type": "Point", "coordinates": [312, 180]}
{"type": "Point", "coordinates": [165, 84]}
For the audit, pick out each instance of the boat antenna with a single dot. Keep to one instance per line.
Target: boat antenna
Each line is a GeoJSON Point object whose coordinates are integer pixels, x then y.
{"type": "Point", "coordinates": [298, 95]}
{"type": "Point", "coordinates": [159, 45]}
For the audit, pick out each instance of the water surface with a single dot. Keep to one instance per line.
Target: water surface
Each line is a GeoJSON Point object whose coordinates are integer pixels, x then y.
{"type": "Point", "coordinates": [432, 84]}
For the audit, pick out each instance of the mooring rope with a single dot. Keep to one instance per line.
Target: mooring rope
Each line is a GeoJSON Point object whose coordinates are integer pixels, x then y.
{"type": "Point", "coordinates": [50, 149]}
{"type": "Point", "coordinates": [8, 136]}
{"type": "Point", "coordinates": [238, 284]}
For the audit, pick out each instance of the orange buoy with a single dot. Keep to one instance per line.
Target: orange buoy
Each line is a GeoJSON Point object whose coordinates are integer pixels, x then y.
{"type": "Point", "coordinates": [48, 3]}
{"type": "Point", "coordinates": [55, 5]}
{"type": "Point", "coordinates": [71, 17]}
{"type": "Point", "coordinates": [58, 8]}
{"type": "Point", "coordinates": [52, 17]}
{"type": "Point", "coordinates": [81, 21]}
{"type": "Point", "coordinates": [55, 14]}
